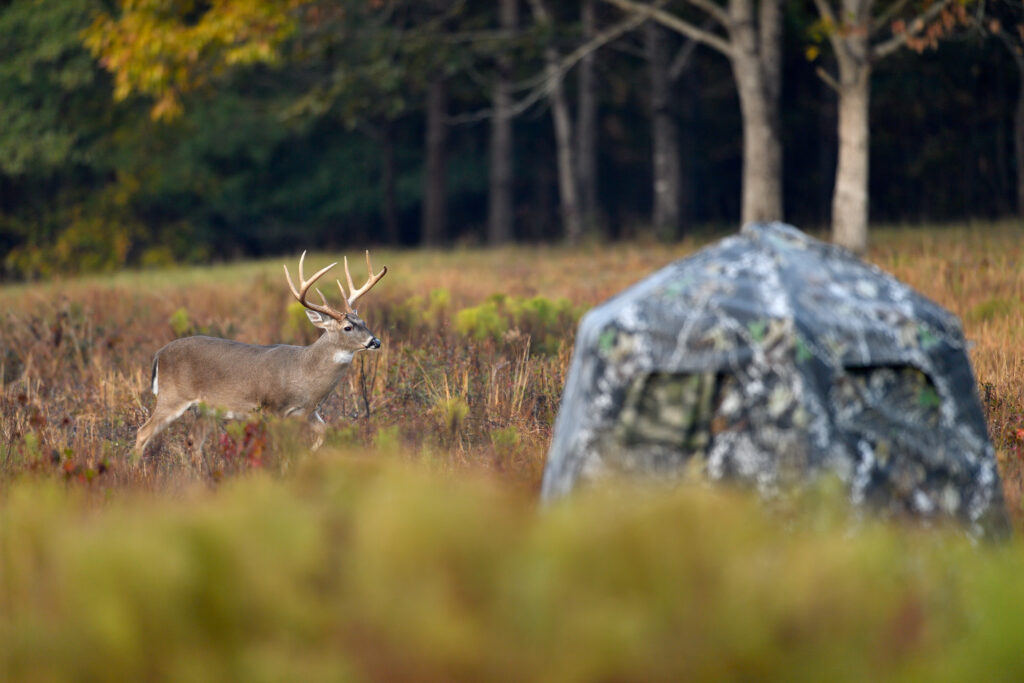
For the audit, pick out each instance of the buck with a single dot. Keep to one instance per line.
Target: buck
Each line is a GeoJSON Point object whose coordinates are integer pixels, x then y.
{"type": "Point", "coordinates": [282, 379]}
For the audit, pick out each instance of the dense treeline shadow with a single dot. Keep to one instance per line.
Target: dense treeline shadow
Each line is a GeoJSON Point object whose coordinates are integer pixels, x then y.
{"type": "Point", "coordinates": [90, 184]}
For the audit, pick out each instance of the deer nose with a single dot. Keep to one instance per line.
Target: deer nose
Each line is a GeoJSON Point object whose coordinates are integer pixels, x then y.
{"type": "Point", "coordinates": [373, 343]}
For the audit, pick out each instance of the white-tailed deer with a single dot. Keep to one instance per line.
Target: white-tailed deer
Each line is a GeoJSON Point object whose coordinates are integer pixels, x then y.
{"type": "Point", "coordinates": [283, 379]}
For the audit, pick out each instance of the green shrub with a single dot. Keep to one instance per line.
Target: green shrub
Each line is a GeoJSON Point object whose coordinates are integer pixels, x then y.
{"type": "Point", "coordinates": [451, 412]}
{"type": "Point", "coordinates": [405, 317]}
{"type": "Point", "coordinates": [506, 438]}
{"type": "Point", "coordinates": [414, 313]}
{"type": "Point", "coordinates": [93, 244]}
{"type": "Point", "coordinates": [180, 323]}
{"type": "Point", "coordinates": [355, 567]}
{"type": "Point", "coordinates": [505, 442]}
{"type": "Point", "coordinates": [548, 323]}
{"type": "Point", "coordinates": [482, 322]}
{"type": "Point", "coordinates": [990, 310]}
{"type": "Point", "coordinates": [440, 302]}
{"type": "Point", "coordinates": [341, 437]}
{"type": "Point", "coordinates": [387, 439]}
{"type": "Point", "coordinates": [297, 329]}
{"type": "Point", "coordinates": [157, 256]}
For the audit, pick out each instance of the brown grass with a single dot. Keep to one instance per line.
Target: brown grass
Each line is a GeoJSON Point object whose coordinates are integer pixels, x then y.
{"type": "Point", "coordinates": [75, 357]}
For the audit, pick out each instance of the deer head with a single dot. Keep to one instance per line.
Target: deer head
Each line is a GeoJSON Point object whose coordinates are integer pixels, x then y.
{"type": "Point", "coordinates": [343, 329]}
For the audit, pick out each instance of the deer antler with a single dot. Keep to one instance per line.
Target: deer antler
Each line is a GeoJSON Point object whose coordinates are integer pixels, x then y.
{"type": "Point", "coordinates": [304, 286]}
{"type": "Point", "coordinates": [371, 280]}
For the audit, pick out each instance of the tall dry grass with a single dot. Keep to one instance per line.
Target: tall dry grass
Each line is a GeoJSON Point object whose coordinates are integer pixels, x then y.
{"type": "Point", "coordinates": [357, 565]}
{"type": "Point", "coordinates": [75, 356]}
{"type": "Point", "coordinates": [977, 273]}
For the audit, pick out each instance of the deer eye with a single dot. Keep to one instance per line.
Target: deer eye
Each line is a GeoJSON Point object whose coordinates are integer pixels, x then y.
{"type": "Point", "coordinates": [348, 328]}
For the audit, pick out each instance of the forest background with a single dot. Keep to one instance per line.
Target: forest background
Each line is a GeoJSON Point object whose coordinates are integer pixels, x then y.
{"type": "Point", "coordinates": [145, 133]}
{"type": "Point", "coordinates": [153, 131]}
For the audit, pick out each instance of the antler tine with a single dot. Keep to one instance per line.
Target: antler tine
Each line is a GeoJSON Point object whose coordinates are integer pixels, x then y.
{"type": "Point", "coordinates": [348, 276]}
{"type": "Point", "coordinates": [344, 296]}
{"type": "Point", "coordinates": [371, 280]}
{"type": "Point", "coordinates": [305, 284]}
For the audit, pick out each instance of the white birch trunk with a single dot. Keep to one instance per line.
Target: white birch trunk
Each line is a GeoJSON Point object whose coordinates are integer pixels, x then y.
{"type": "Point", "coordinates": [755, 66]}
{"type": "Point", "coordinates": [563, 135]}
{"type": "Point", "coordinates": [850, 198]}
{"type": "Point", "coordinates": [566, 167]}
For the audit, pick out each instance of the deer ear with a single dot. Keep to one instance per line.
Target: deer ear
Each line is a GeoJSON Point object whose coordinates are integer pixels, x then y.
{"type": "Point", "coordinates": [320, 321]}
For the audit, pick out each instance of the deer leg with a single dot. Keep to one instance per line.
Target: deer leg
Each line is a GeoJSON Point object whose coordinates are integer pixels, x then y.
{"type": "Point", "coordinates": [198, 433]}
{"type": "Point", "coordinates": [163, 415]}
{"type": "Point", "coordinates": [319, 429]}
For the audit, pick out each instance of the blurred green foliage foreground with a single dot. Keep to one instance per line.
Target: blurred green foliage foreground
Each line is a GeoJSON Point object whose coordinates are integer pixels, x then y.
{"type": "Point", "coordinates": [362, 569]}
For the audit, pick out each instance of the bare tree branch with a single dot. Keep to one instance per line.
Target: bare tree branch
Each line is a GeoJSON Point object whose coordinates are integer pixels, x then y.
{"type": "Point", "coordinates": [567, 189]}
{"type": "Point", "coordinates": [1010, 44]}
{"type": "Point", "coordinates": [540, 11]}
{"type": "Point", "coordinates": [599, 40]}
{"type": "Point", "coordinates": [682, 58]}
{"type": "Point", "coordinates": [830, 81]}
{"type": "Point", "coordinates": [825, 10]}
{"type": "Point", "coordinates": [682, 26]}
{"type": "Point", "coordinates": [914, 27]}
{"type": "Point", "coordinates": [882, 19]}
{"type": "Point", "coordinates": [540, 86]}
{"type": "Point", "coordinates": [834, 38]}
{"type": "Point", "coordinates": [713, 10]}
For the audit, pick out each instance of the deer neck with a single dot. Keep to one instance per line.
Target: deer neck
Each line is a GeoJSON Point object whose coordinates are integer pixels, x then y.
{"type": "Point", "coordinates": [326, 355]}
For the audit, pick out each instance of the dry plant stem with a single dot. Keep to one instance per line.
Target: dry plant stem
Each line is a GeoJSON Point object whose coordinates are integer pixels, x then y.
{"type": "Point", "coordinates": [91, 406]}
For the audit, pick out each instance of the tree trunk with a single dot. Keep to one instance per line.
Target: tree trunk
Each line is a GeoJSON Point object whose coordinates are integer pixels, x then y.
{"type": "Point", "coordinates": [754, 49]}
{"type": "Point", "coordinates": [688, 118]}
{"type": "Point", "coordinates": [1018, 137]}
{"type": "Point", "coordinates": [756, 68]}
{"type": "Point", "coordinates": [664, 137]}
{"type": "Point", "coordinates": [435, 181]}
{"type": "Point", "coordinates": [501, 208]}
{"type": "Point", "coordinates": [770, 54]}
{"type": "Point", "coordinates": [850, 198]}
{"type": "Point", "coordinates": [566, 170]}
{"type": "Point", "coordinates": [586, 126]}
{"type": "Point", "coordinates": [762, 149]}
{"type": "Point", "coordinates": [563, 135]}
{"type": "Point", "coordinates": [389, 205]}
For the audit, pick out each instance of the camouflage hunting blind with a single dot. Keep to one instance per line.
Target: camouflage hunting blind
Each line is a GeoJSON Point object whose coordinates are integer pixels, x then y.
{"type": "Point", "coordinates": [770, 358]}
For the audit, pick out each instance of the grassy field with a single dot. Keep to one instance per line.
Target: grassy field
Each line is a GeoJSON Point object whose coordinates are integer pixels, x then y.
{"type": "Point", "coordinates": [411, 547]}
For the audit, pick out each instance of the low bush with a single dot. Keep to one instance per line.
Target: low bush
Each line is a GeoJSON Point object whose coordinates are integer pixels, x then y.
{"type": "Point", "coordinates": [360, 570]}
{"type": "Point", "coordinates": [230, 552]}
{"type": "Point", "coordinates": [547, 323]}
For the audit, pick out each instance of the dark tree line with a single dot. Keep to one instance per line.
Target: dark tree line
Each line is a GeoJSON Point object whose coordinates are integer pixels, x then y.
{"type": "Point", "coordinates": [302, 123]}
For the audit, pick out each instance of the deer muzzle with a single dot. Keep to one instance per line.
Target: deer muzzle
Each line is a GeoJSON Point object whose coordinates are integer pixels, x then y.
{"type": "Point", "coordinates": [373, 343]}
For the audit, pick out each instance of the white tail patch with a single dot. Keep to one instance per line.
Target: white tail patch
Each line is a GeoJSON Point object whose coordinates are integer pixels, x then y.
{"type": "Point", "coordinates": [156, 373]}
